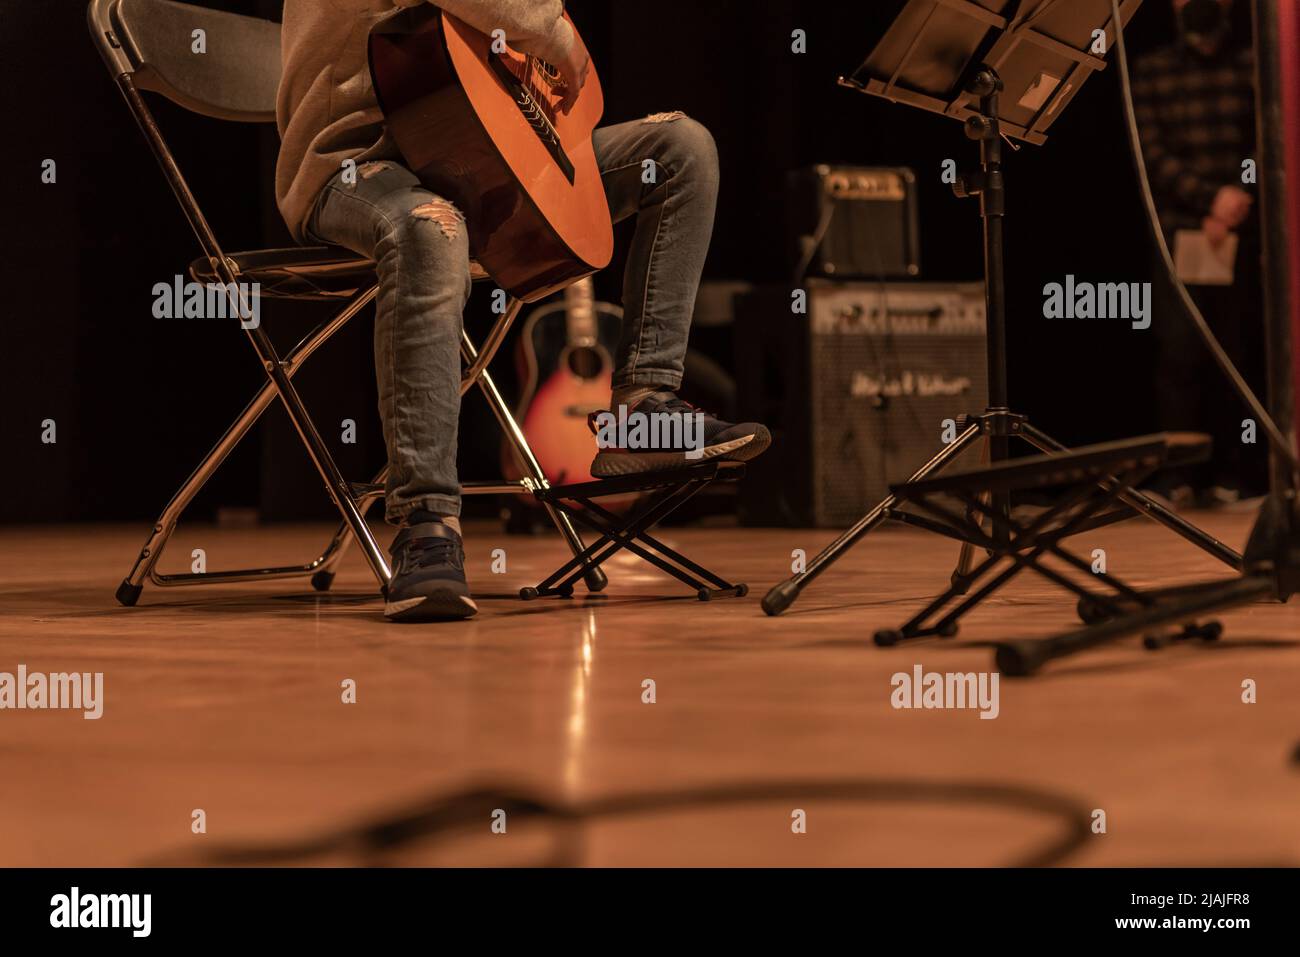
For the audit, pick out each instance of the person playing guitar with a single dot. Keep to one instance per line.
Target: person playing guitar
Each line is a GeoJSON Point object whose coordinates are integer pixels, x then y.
{"type": "Point", "coordinates": [340, 180]}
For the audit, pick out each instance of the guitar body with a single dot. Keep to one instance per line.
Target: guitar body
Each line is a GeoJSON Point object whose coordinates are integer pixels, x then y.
{"type": "Point", "coordinates": [566, 371]}
{"type": "Point", "coordinates": [481, 129]}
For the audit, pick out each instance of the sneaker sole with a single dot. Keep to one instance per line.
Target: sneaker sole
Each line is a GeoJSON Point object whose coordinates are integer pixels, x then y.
{"type": "Point", "coordinates": [611, 464]}
{"type": "Point", "coordinates": [440, 606]}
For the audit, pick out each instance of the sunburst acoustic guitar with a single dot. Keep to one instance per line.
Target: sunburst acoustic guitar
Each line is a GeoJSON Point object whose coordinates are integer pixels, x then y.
{"type": "Point", "coordinates": [566, 366]}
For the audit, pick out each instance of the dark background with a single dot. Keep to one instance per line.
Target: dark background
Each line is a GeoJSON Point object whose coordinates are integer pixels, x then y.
{"type": "Point", "coordinates": [138, 401]}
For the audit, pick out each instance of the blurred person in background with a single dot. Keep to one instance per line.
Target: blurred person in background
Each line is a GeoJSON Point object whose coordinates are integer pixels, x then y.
{"type": "Point", "coordinates": [1195, 103]}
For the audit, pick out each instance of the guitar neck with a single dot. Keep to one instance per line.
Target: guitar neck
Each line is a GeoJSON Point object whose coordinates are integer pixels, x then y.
{"type": "Point", "coordinates": [580, 313]}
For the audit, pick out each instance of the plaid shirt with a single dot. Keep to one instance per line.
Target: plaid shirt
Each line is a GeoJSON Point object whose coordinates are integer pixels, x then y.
{"type": "Point", "coordinates": [1197, 119]}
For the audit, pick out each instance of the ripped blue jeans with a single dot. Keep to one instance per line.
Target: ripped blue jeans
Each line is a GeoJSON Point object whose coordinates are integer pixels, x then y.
{"type": "Point", "coordinates": [419, 244]}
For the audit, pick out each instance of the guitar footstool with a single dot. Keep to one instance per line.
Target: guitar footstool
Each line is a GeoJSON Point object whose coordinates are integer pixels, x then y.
{"type": "Point", "coordinates": [1091, 481]}
{"type": "Point", "coordinates": [674, 488]}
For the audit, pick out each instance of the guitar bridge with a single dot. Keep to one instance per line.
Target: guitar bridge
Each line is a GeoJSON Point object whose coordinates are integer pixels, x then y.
{"type": "Point", "coordinates": [536, 117]}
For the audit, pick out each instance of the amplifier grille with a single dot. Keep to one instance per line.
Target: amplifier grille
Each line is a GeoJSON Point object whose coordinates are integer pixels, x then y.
{"type": "Point", "coordinates": [884, 365]}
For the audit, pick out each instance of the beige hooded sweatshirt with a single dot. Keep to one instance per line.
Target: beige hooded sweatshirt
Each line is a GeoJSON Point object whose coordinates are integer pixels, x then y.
{"type": "Point", "coordinates": [327, 112]}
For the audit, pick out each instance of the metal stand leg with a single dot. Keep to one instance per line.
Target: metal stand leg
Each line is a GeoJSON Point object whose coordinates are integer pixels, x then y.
{"type": "Point", "coordinates": [594, 577]}
{"type": "Point", "coordinates": [783, 595]}
{"type": "Point", "coordinates": [632, 531]}
{"type": "Point", "coordinates": [1022, 546]}
{"type": "Point", "coordinates": [622, 532]}
{"type": "Point", "coordinates": [1145, 505]}
{"type": "Point", "coordinates": [961, 575]}
{"type": "Point", "coordinates": [1026, 656]}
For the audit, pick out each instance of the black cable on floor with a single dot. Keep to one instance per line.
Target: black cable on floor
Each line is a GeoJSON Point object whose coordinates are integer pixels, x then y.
{"type": "Point", "coordinates": [446, 815]}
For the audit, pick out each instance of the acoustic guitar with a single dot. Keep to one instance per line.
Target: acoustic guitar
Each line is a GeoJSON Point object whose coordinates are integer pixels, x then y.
{"type": "Point", "coordinates": [566, 365]}
{"type": "Point", "coordinates": [478, 123]}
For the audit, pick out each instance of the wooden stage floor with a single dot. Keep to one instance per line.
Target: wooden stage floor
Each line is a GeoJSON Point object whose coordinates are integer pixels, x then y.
{"type": "Point", "coordinates": [228, 699]}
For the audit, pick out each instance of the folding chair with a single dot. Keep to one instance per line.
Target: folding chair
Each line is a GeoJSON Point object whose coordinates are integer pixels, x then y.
{"type": "Point", "coordinates": [146, 45]}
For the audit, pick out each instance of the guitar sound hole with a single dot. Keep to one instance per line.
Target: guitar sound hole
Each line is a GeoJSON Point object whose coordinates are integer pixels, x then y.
{"type": "Point", "coordinates": [585, 363]}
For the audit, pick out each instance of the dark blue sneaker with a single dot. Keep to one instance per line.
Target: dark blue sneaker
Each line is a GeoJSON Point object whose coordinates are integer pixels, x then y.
{"type": "Point", "coordinates": [664, 442]}
{"type": "Point", "coordinates": [428, 575]}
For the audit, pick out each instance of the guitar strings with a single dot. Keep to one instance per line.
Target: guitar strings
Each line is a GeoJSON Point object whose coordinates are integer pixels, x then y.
{"type": "Point", "coordinates": [530, 66]}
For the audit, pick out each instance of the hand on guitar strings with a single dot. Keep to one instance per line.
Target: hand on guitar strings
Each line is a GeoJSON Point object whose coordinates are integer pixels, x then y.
{"type": "Point", "coordinates": [573, 69]}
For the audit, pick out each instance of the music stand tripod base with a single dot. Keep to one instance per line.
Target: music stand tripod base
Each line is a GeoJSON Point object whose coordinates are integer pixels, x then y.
{"type": "Point", "coordinates": [1093, 479]}
{"type": "Point", "coordinates": [998, 425]}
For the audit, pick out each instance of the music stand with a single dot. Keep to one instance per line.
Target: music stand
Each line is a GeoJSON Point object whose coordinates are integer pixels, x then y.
{"type": "Point", "coordinates": [1005, 68]}
{"type": "Point", "coordinates": [1272, 558]}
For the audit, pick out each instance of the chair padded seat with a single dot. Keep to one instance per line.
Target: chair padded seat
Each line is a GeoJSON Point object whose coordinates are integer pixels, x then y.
{"type": "Point", "coordinates": [303, 272]}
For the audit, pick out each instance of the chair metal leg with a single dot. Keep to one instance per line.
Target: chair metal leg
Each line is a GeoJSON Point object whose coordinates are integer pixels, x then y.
{"type": "Point", "coordinates": [328, 562]}
{"type": "Point", "coordinates": [338, 487]}
{"type": "Point", "coordinates": [477, 360]}
{"type": "Point", "coordinates": [594, 577]}
{"type": "Point", "coordinates": [129, 591]}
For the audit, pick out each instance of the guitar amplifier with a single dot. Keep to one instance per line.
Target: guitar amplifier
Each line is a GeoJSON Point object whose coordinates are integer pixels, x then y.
{"type": "Point", "coordinates": [868, 217]}
{"type": "Point", "coordinates": [855, 390]}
